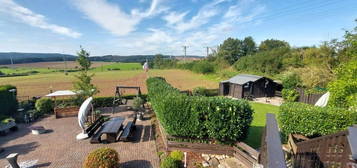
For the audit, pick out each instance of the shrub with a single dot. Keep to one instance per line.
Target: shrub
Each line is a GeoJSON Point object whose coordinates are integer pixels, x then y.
{"type": "Point", "coordinates": [313, 121]}
{"type": "Point", "coordinates": [44, 105]}
{"type": "Point", "coordinates": [137, 103]}
{"type": "Point", "coordinates": [217, 118]}
{"type": "Point", "coordinates": [108, 101]}
{"type": "Point", "coordinates": [177, 155]}
{"type": "Point", "coordinates": [8, 101]}
{"type": "Point", "coordinates": [199, 91]}
{"type": "Point", "coordinates": [291, 81]}
{"type": "Point", "coordinates": [102, 158]}
{"type": "Point", "coordinates": [344, 89]}
{"type": "Point", "coordinates": [170, 162]}
{"type": "Point", "coordinates": [203, 67]}
{"type": "Point", "coordinates": [290, 95]}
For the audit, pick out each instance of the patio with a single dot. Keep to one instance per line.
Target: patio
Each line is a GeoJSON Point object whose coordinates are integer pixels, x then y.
{"type": "Point", "coordinates": [59, 148]}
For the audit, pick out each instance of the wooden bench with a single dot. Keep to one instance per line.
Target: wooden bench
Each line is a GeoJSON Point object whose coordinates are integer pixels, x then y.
{"type": "Point", "coordinates": [96, 137]}
{"type": "Point", "coordinates": [94, 127]}
{"type": "Point", "coordinates": [126, 133]}
{"type": "Point", "coordinates": [111, 128]}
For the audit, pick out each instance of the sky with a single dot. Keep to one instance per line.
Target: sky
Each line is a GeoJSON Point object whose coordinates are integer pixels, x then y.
{"type": "Point", "coordinates": [134, 27]}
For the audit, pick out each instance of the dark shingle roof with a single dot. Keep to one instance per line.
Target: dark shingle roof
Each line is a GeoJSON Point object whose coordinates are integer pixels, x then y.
{"type": "Point", "coordinates": [242, 79]}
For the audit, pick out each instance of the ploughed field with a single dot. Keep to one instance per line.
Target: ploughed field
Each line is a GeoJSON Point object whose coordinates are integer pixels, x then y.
{"type": "Point", "coordinates": [106, 78]}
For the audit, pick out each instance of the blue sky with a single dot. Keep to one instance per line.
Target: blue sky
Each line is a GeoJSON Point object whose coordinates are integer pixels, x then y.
{"type": "Point", "coordinates": [128, 27]}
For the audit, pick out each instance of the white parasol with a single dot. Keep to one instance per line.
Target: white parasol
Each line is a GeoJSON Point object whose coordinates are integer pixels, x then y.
{"type": "Point", "coordinates": [82, 116]}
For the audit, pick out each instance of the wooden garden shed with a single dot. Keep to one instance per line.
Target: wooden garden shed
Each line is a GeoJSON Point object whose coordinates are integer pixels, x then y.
{"type": "Point", "coordinates": [248, 86]}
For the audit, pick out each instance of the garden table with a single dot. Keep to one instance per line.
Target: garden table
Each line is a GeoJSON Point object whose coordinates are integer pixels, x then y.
{"type": "Point", "coordinates": [112, 127]}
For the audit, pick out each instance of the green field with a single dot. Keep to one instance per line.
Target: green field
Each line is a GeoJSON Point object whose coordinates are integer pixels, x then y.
{"type": "Point", "coordinates": [118, 66]}
{"type": "Point", "coordinates": [259, 119]}
{"type": "Point", "coordinates": [18, 70]}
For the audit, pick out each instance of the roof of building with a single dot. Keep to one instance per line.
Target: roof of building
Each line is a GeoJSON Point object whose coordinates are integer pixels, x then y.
{"type": "Point", "coordinates": [242, 79]}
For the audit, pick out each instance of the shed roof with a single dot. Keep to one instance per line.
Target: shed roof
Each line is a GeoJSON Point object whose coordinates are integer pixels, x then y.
{"type": "Point", "coordinates": [242, 79]}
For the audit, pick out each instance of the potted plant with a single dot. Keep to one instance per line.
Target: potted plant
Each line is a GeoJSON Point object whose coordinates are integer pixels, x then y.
{"type": "Point", "coordinates": [138, 107]}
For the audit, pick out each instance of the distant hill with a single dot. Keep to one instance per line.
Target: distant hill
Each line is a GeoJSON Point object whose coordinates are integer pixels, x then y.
{"type": "Point", "coordinates": [19, 58]}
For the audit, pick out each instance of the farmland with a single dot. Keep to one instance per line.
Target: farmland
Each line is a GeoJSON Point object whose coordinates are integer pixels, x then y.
{"type": "Point", "coordinates": [106, 77]}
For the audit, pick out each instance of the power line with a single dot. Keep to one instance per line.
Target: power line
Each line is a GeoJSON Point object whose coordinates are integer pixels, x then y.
{"type": "Point", "coordinates": [291, 11]}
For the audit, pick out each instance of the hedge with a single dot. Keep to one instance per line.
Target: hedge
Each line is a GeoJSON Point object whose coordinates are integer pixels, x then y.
{"type": "Point", "coordinates": [218, 118]}
{"type": "Point", "coordinates": [314, 121]}
{"type": "Point", "coordinates": [97, 101]}
{"type": "Point", "coordinates": [8, 101]}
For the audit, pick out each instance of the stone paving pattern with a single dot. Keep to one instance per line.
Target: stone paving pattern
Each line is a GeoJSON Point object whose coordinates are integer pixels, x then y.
{"type": "Point", "coordinates": [59, 148]}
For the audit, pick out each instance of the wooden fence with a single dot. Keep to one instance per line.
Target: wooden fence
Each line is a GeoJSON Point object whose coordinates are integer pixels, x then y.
{"type": "Point", "coordinates": [337, 150]}
{"type": "Point", "coordinates": [308, 98]}
{"type": "Point", "coordinates": [243, 152]}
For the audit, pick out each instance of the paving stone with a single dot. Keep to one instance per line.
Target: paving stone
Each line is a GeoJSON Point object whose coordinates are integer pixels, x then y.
{"type": "Point", "coordinates": [59, 148]}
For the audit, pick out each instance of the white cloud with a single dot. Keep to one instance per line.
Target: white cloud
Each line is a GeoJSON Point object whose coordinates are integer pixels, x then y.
{"type": "Point", "coordinates": [203, 16]}
{"type": "Point", "coordinates": [36, 20]}
{"type": "Point", "coordinates": [112, 18]}
{"type": "Point", "coordinates": [174, 17]}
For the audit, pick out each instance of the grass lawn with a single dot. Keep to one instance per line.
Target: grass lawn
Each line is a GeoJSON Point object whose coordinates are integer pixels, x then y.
{"type": "Point", "coordinates": [259, 118]}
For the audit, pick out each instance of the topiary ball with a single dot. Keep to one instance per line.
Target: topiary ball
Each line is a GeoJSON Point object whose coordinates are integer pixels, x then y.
{"type": "Point", "coordinates": [102, 158]}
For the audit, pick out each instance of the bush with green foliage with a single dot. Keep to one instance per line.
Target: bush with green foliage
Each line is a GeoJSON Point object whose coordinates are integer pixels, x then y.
{"type": "Point", "coordinates": [314, 121]}
{"type": "Point", "coordinates": [44, 105]}
{"type": "Point", "coordinates": [291, 81]}
{"type": "Point", "coordinates": [137, 103]}
{"type": "Point", "coordinates": [268, 62]}
{"type": "Point", "coordinates": [170, 162]}
{"type": "Point", "coordinates": [108, 101]}
{"type": "Point", "coordinates": [177, 155]}
{"type": "Point", "coordinates": [102, 157]}
{"type": "Point", "coordinates": [8, 101]}
{"type": "Point", "coordinates": [218, 118]}
{"type": "Point", "coordinates": [290, 95]}
{"type": "Point", "coordinates": [344, 89]}
{"type": "Point", "coordinates": [203, 67]}
{"type": "Point", "coordinates": [199, 91]}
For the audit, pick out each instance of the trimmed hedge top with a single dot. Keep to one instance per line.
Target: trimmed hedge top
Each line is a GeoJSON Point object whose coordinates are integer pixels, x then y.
{"type": "Point", "coordinates": [314, 121]}
{"type": "Point", "coordinates": [218, 118]}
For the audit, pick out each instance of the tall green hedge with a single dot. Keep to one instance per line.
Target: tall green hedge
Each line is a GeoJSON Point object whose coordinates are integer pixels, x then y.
{"type": "Point", "coordinates": [8, 101]}
{"type": "Point", "coordinates": [218, 118]}
{"type": "Point", "coordinates": [314, 121]}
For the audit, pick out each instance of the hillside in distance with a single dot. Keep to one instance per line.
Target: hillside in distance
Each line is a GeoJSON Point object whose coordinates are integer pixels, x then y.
{"type": "Point", "coordinates": [20, 58]}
